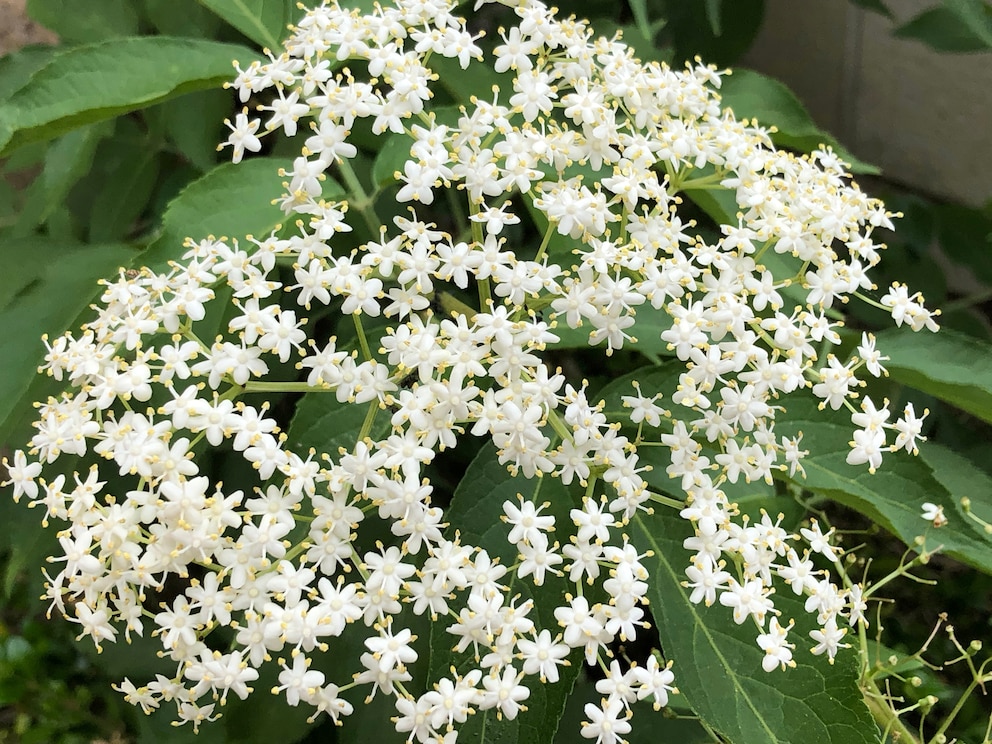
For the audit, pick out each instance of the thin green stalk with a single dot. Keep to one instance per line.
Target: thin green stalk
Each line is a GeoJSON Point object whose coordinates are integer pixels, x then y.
{"type": "Point", "coordinates": [362, 202]}
{"type": "Point", "coordinates": [362, 341]}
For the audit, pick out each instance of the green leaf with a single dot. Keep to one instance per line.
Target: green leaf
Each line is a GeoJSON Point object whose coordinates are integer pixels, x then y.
{"type": "Point", "coordinates": [893, 497]}
{"type": "Point", "coordinates": [67, 160]}
{"type": "Point", "coordinates": [752, 95]}
{"type": "Point", "coordinates": [84, 22]}
{"type": "Point", "coordinates": [195, 124]}
{"type": "Point", "coordinates": [948, 365]}
{"type": "Point", "coordinates": [750, 498]}
{"type": "Point", "coordinates": [649, 324]}
{"type": "Point", "coordinates": [965, 237]}
{"type": "Point", "coordinates": [100, 81]}
{"type": "Point", "coordinates": [475, 511]}
{"type": "Point", "coordinates": [463, 84]}
{"type": "Point", "coordinates": [392, 155]}
{"type": "Point", "coordinates": [17, 68]}
{"type": "Point", "coordinates": [127, 175]}
{"type": "Point", "coordinates": [718, 664]}
{"type": "Point", "coordinates": [325, 425]}
{"type": "Point", "coordinates": [962, 479]}
{"type": "Point", "coordinates": [262, 21]}
{"type": "Point", "coordinates": [185, 18]}
{"type": "Point", "coordinates": [959, 26]}
{"type": "Point", "coordinates": [691, 29]}
{"type": "Point", "coordinates": [63, 290]}
{"type": "Point", "coordinates": [230, 200]}
{"type": "Point", "coordinates": [644, 47]}
{"type": "Point", "coordinates": [649, 726]}
{"type": "Point", "coordinates": [642, 19]}
{"type": "Point", "coordinates": [714, 14]}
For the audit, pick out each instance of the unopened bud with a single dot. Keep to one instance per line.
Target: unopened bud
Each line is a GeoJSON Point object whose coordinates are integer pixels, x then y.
{"type": "Point", "coordinates": [974, 647]}
{"type": "Point", "coordinates": [915, 681]}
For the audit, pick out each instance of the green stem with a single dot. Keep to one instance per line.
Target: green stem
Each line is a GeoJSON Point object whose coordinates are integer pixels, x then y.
{"type": "Point", "coordinates": [666, 500]}
{"type": "Point", "coordinates": [874, 303]}
{"type": "Point", "coordinates": [282, 387]}
{"type": "Point", "coordinates": [886, 717]}
{"type": "Point", "coordinates": [451, 304]}
{"type": "Point", "coordinates": [362, 202]}
{"type": "Point", "coordinates": [362, 341]}
{"type": "Point", "coordinates": [369, 421]}
{"type": "Point", "coordinates": [703, 181]}
{"type": "Point", "coordinates": [485, 294]}
{"type": "Point", "coordinates": [963, 303]}
{"type": "Point", "coordinates": [544, 243]}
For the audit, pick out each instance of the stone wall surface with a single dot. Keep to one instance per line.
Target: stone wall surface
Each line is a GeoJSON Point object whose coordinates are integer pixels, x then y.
{"type": "Point", "coordinates": [923, 116]}
{"type": "Point", "coordinates": [17, 30]}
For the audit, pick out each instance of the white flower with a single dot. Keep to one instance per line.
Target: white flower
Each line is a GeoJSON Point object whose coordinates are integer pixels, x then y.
{"type": "Point", "coordinates": [243, 136]}
{"type": "Point", "coordinates": [505, 693]}
{"type": "Point", "coordinates": [828, 639]}
{"type": "Point", "coordinates": [528, 524]}
{"type": "Point", "coordinates": [655, 681]}
{"type": "Point", "coordinates": [871, 356]}
{"type": "Point", "coordinates": [778, 652]}
{"type": "Point", "coordinates": [909, 428]}
{"type": "Point", "coordinates": [934, 513]}
{"type": "Point", "coordinates": [605, 724]}
{"type": "Point", "coordinates": [299, 681]}
{"type": "Point", "coordinates": [819, 542]}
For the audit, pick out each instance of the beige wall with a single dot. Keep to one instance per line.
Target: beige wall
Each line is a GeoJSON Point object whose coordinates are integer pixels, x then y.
{"type": "Point", "coordinates": [924, 117]}
{"type": "Point", "coordinates": [17, 31]}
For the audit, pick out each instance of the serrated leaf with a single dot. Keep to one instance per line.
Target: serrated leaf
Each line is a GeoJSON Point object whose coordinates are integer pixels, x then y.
{"type": "Point", "coordinates": [393, 153]}
{"type": "Point", "coordinates": [262, 21]}
{"type": "Point", "coordinates": [948, 365]}
{"type": "Point", "coordinates": [750, 498]}
{"type": "Point", "coordinates": [893, 497]}
{"type": "Point", "coordinates": [649, 324]}
{"type": "Point", "coordinates": [962, 479]}
{"type": "Point", "coordinates": [691, 31]}
{"type": "Point", "coordinates": [100, 81]}
{"type": "Point", "coordinates": [326, 425]}
{"type": "Point", "coordinates": [62, 291]}
{"type": "Point", "coordinates": [230, 200]}
{"type": "Point", "coordinates": [18, 67]}
{"type": "Point", "coordinates": [463, 84]}
{"type": "Point", "coordinates": [959, 26]}
{"type": "Point", "coordinates": [653, 379]}
{"type": "Point", "coordinates": [195, 124]}
{"type": "Point", "coordinates": [130, 178]}
{"type": "Point", "coordinates": [89, 21]}
{"type": "Point", "coordinates": [67, 160]}
{"type": "Point", "coordinates": [752, 95]}
{"type": "Point", "coordinates": [649, 726]}
{"type": "Point", "coordinates": [393, 150]}
{"type": "Point", "coordinates": [181, 19]}
{"type": "Point", "coordinates": [718, 664]}
{"type": "Point", "coordinates": [475, 511]}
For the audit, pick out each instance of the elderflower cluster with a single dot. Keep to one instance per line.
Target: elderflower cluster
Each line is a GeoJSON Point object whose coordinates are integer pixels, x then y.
{"type": "Point", "coordinates": [594, 147]}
